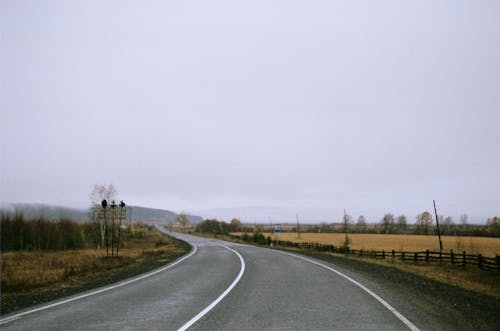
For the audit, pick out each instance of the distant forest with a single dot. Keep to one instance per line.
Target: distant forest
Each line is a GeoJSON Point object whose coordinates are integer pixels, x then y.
{"type": "Point", "coordinates": [424, 225]}
{"type": "Point", "coordinates": [148, 215]}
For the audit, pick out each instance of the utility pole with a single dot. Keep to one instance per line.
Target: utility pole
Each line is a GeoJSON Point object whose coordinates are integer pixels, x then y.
{"type": "Point", "coordinates": [298, 226]}
{"type": "Point", "coordinates": [437, 224]}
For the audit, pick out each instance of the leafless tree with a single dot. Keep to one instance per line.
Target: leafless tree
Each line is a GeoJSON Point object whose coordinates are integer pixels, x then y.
{"type": "Point", "coordinates": [182, 220]}
{"type": "Point", "coordinates": [448, 225]}
{"type": "Point", "coordinates": [361, 224]}
{"type": "Point", "coordinates": [463, 222]}
{"type": "Point", "coordinates": [424, 222]}
{"type": "Point", "coordinates": [494, 226]}
{"type": "Point", "coordinates": [387, 223]}
{"type": "Point", "coordinates": [401, 223]}
{"type": "Point", "coordinates": [101, 192]}
{"type": "Point", "coordinates": [347, 223]}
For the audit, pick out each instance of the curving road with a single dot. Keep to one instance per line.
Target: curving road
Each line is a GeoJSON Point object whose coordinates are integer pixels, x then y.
{"type": "Point", "coordinates": [228, 286]}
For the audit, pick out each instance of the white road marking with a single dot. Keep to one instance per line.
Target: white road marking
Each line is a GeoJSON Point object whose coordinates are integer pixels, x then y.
{"type": "Point", "coordinates": [403, 319]}
{"type": "Point", "coordinates": [219, 299]}
{"type": "Point", "coordinates": [17, 316]}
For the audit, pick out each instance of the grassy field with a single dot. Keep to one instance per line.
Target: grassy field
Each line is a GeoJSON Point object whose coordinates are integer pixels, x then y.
{"type": "Point", "coordinates": [409, 243]}
{"type": "Point", "coordinates": [24, 271]}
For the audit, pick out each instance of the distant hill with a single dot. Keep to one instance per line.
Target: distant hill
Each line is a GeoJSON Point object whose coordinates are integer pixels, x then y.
{"type": "Point", "coordinates": [159, 215]}
{"type": "Point", "coordinates": [149, 215]}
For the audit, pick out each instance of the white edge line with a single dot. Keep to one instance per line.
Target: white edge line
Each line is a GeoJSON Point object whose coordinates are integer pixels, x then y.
{"type": "Point", "coordinates": [195, 319]}
{"type": "Point", "coordinates": [17, 316]}
{"type": "Point", "coordinates": [403, 319]}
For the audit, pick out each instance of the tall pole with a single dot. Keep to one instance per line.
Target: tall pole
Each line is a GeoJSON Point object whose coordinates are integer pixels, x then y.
{"type": "Point", "coordinates": [104, 204]}
{"type": "Point", "coordinates": [298, 226]}
{"type": "Point", "coordinates": [122, 205]}
{"type": "Point", "coordinates": [437, 224]}
{"type": "Point", "coordinates": [113, 206]}
{"type": "Point", "coordinates": [345, 227]}
{"type": "Point", "coordinates": [130, 230]}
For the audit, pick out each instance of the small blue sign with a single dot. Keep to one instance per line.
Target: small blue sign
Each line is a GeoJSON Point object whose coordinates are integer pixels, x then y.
{"type": "Point", "coordinates": [277, 228]}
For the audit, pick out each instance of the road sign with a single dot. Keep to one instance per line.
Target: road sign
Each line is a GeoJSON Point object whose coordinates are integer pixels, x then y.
{"type": "Point", "coordinates": [277, 229]}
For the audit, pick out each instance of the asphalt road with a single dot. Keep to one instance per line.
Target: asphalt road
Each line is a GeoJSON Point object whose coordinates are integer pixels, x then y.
{"type": "Point", "coordinates": [228, 286]}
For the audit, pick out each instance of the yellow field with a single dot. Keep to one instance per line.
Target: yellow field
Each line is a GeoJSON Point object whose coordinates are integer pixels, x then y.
{"type": "Point", "coordinates": [409, 243]}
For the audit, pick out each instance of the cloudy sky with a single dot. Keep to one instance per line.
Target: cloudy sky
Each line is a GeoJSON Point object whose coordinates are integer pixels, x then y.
{"type": "Point", "coordinates": [254, 109]}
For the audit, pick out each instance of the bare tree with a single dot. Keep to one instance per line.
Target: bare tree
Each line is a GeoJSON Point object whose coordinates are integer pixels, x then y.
{"type": "Point", "coordinates": [182, 220]}
{"type": "Point", "coordinates": [401, 223]}
{"type": "Point", "coordinates": [101, 192]}
{"type": "Point", "coordinates": [387, 223]}
{"type": "Point", "coordinates": [463, 222]}
{"type": "Point", "coordinates": [424, 222]}
{"type": "Point", "coordinates": [494, 226]}
{"type": "Point", "coordinates": [448, 225]}
{"type": "Point", "coordinates": [347, 223]}
{"type": "Point", "coordinates": [361, 224]}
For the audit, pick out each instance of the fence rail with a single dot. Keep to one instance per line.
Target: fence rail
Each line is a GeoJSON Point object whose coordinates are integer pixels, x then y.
{"type": "Point", "coordinates": [460, 259]}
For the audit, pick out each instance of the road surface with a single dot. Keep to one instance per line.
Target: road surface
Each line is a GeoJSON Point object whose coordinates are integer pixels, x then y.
{"type": "Point", "coordinates": [229, 286]}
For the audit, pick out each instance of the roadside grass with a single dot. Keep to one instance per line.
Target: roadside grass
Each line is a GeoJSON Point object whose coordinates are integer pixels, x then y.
{"type": "Point", "coordinates": [25, 273]}
{"type": "Point", "coordinates": [399, 242]}
{"type": "Point", "coordinates": [471, 278]}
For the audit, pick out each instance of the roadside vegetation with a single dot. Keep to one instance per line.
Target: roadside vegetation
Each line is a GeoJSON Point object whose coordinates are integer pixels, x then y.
{"type": "Point", "coordinates": [45, 259]}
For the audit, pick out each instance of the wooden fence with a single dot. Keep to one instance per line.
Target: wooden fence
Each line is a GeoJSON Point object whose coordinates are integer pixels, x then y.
{"type": "Point", "coordinates": [460, 259]}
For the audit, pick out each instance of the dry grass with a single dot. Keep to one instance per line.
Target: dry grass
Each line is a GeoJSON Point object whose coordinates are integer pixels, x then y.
{"type": "Point", "coordinates": [472, 278]}
{"type": "Point", "coordinates": [409, 243]}
{"type": "Point", "coordinates": [29, 270]}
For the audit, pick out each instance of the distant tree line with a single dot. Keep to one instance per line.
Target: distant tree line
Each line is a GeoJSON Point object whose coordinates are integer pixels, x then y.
{"type": "Point", "coordinates": [424, 224]}
{"type": "Point", "coordinates": [220, 227]}
{"type": "Point", "coordinates": [18, 233]}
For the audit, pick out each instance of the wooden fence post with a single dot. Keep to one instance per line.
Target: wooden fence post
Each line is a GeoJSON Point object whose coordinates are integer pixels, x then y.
{"type": "Point", "coordinates": [464, 260]}
{"type": "Point", "coordinates": [427, 256]}
{"type": "Point", "coordinates": [383, 254]}
{"type": "Point", "coordinates": [415, 257]}
{"type": "Point", "coordinates": [452, 256]}
{"type": "Point", "coordinates": [403, 256]}
{"type": "Point", "coordinates": [479, 261]}
{"type": "Point", "coordinates": [393, 254]}
{"type": "Point", "coordinates": [498, 262]}
{"type": "Point", "coordinates": [440, 257]}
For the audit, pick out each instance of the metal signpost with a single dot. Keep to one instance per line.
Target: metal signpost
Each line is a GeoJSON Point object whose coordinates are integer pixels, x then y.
{"type": "Point", "coordinates": [104, 217]}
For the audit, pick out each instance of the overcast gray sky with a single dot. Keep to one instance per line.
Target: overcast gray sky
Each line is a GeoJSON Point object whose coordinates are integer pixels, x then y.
{"type": "Point", "coordinates": [254, 109]}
